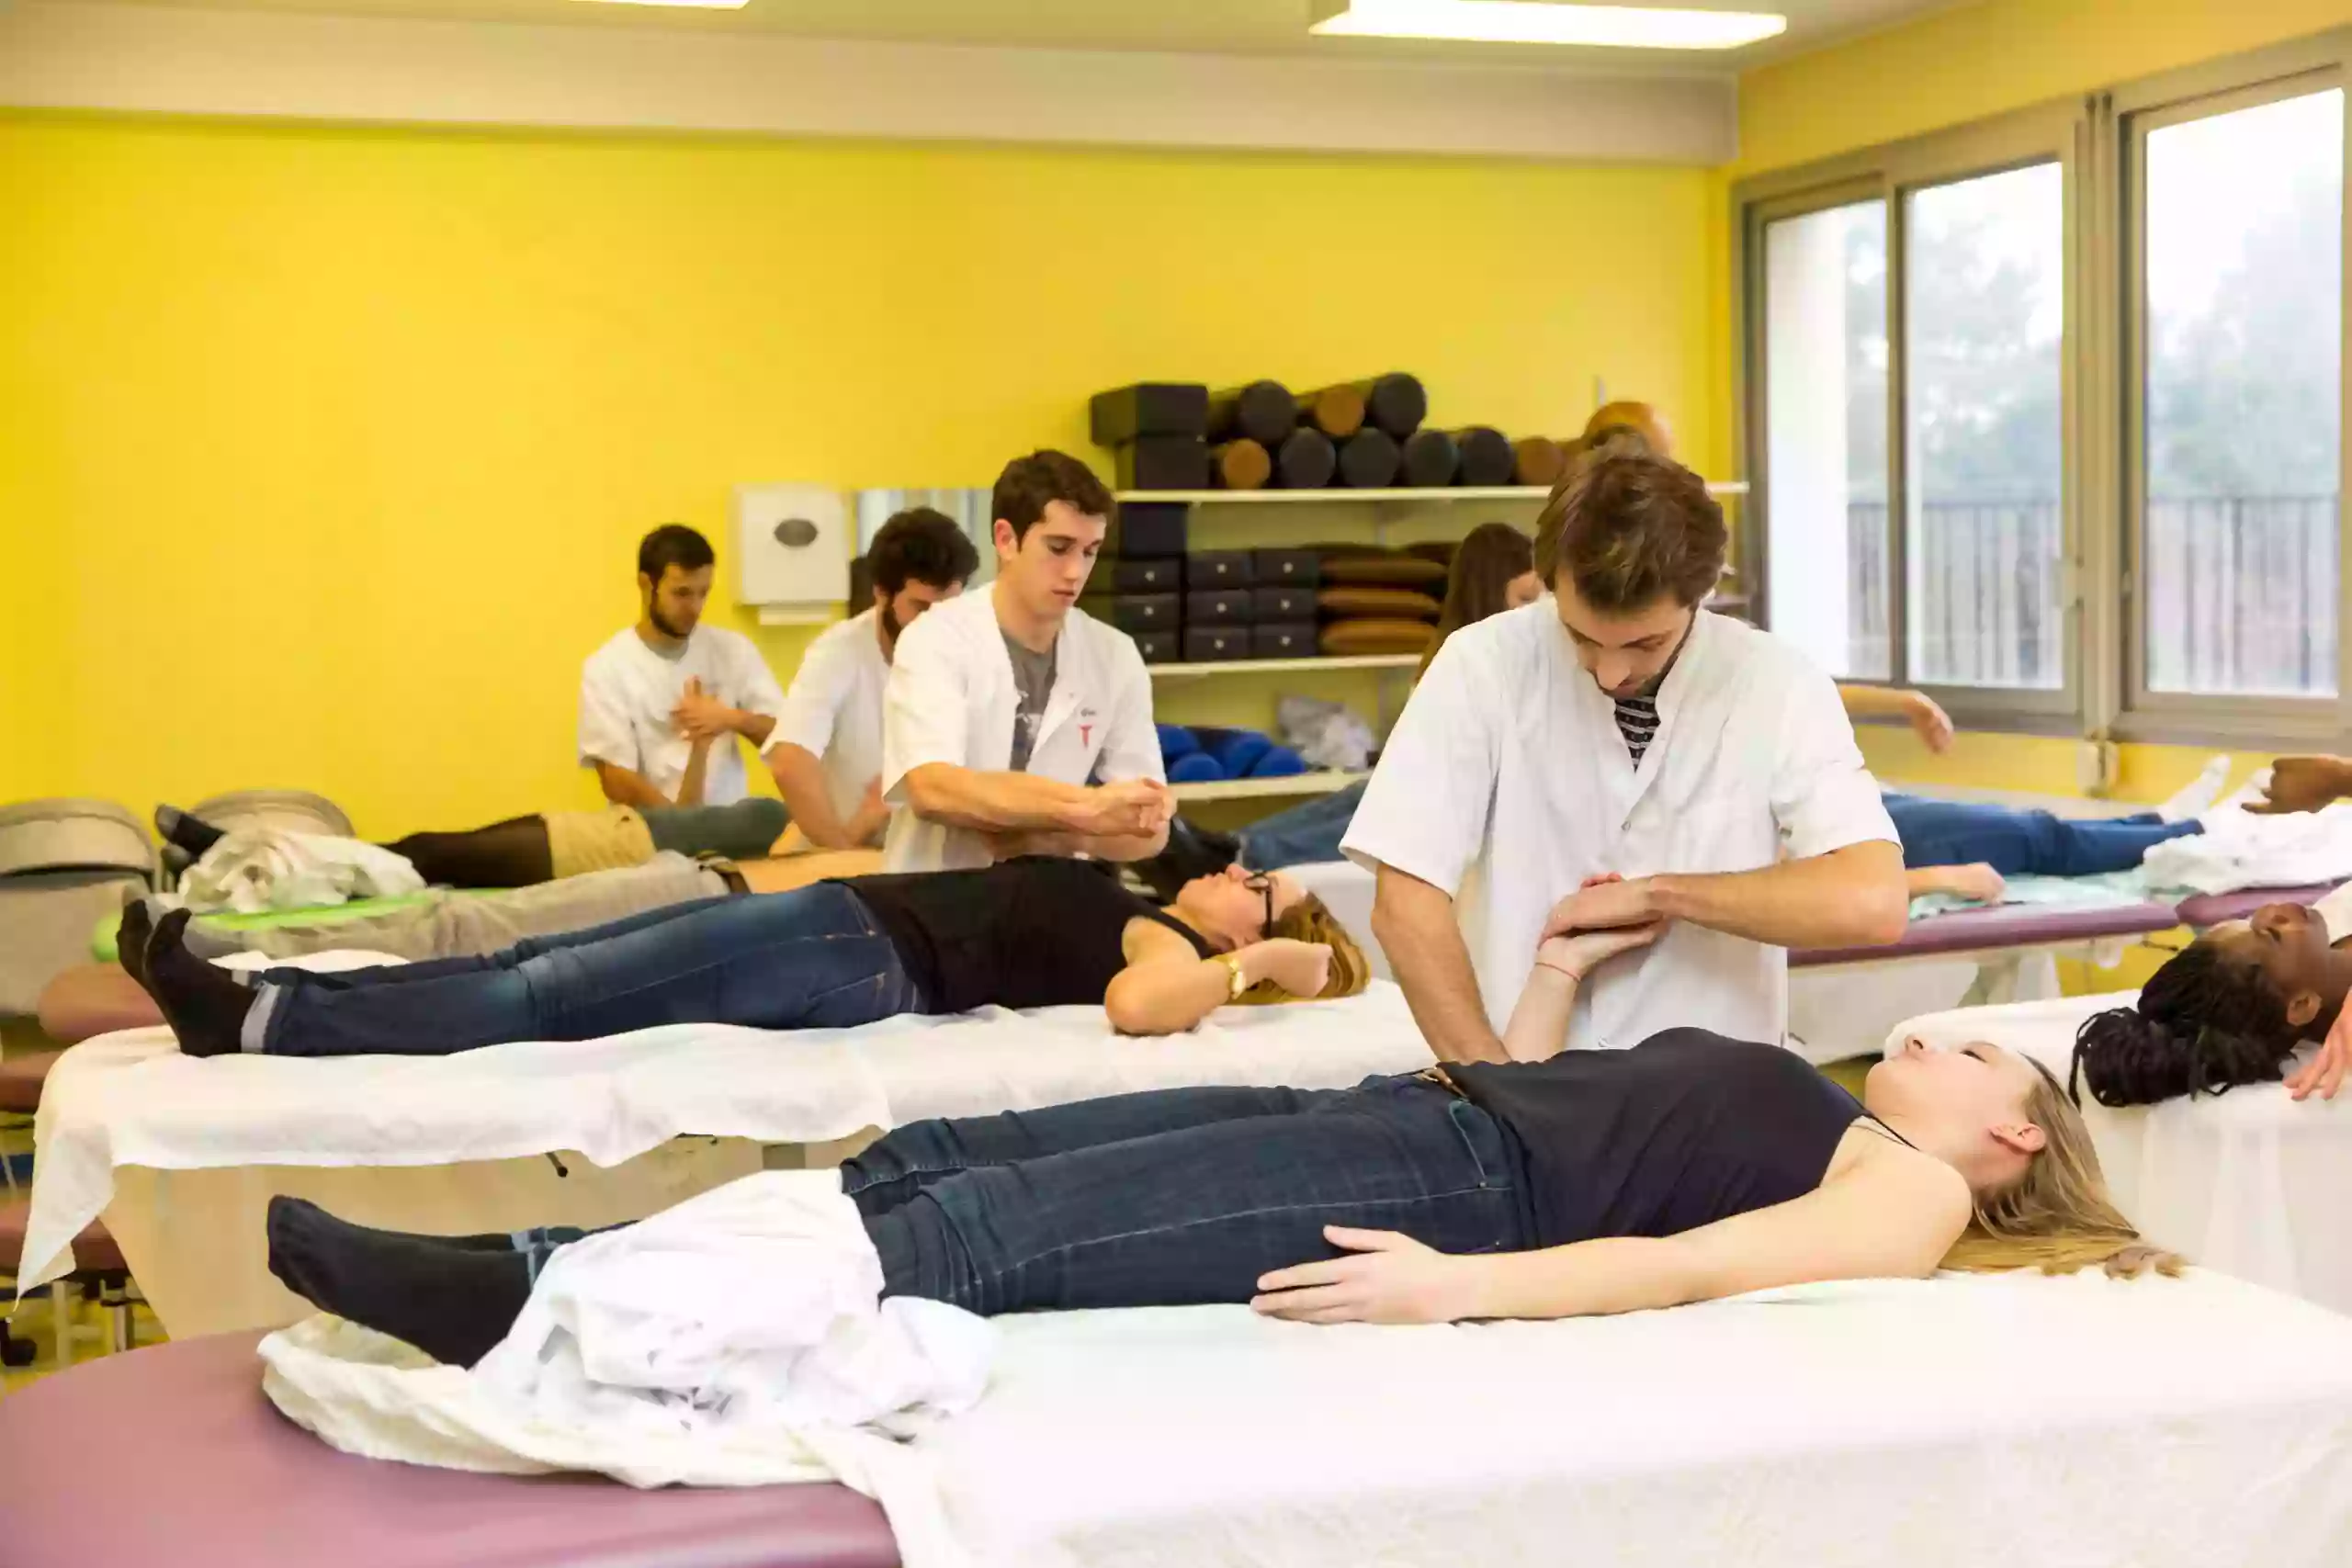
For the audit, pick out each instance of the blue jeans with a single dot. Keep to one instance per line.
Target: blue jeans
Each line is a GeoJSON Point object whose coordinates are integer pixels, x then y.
{"type": "Point", "coordinates": [1178, 1196]}
{"type": "Point", "coordinates": [2024, 844]}
{"type": "Point", "coordinates": [814, 958]}
{"type": "Point", "coordinates": [1305, 834]}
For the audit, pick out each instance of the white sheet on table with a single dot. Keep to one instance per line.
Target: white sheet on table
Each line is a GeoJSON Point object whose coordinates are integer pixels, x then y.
{"type": "Point", "coordinates": [2174, 1424]}
{"type": "Point", "coordinates": [132, 1099]}
{"type": "Point", "coordinates": [2248, 1181]}
{"type": "Point", "coordinates": [252, 869]}
{"type": "Point", "coordinates": [2239, 849]}
{"type": "Point", "coordinates": [737, 1340]}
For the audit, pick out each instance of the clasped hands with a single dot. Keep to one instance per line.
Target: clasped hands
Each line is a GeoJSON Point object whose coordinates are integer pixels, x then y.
{"type": "Point", "coordinates": [1605, 916]}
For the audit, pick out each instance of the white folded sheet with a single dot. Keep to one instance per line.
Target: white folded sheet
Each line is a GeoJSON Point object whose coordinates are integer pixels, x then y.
{"type": "Point", "coordinates": [131, 1099]}
{"type": "Point", "coordinates": [252, 869]}
{"type": "Point", "coordinates": [2249, 1182]}
{"type": "Point", "coordinates": [2155, 1424]}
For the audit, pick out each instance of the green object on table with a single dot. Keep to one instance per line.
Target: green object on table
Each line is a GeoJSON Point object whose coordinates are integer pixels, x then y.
{"type": "Point", "coordinates": [105, 949]}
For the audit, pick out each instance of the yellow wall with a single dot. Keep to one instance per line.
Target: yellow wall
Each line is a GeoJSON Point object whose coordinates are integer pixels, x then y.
{"type": "Point", "coordinates": [332, 445]}
{"type": "Point", "coordinates": [1986, 59]}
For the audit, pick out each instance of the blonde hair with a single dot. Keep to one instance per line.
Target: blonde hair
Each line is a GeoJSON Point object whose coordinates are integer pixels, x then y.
{"type": "Point", "coordinates": [1310, 919]}
{"type": "Point", "coordinates": [2059, 1218]}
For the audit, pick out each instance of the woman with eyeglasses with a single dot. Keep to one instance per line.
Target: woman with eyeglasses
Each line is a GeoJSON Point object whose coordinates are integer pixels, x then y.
{"type": "Point", "coordinates": [1036, 931]}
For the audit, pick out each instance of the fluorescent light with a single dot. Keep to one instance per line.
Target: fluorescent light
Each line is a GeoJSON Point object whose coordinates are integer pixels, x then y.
{"type": "Point", "coordinates": [1535, 21]}
{"type": "Point", "coordinates": [696, 4]}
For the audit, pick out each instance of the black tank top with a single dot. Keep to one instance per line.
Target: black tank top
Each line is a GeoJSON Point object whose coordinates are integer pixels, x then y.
{"type": "Point", "coordinates": [1035, 933]}
{"type": "Point", "coordinates": [1684, 1130]}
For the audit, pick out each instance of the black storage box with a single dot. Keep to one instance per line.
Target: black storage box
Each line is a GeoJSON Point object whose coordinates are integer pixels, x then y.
{"type": "Point", "coordinates": [1164, 462]}
{"type": "Point", "coordinates": [1292, 605]}
{"type": "Point", "coordinates": [1219, 607]}
{"type": "Point", "coordinates": [1296, 569]}
{"type": "Point", "coordinates": [1161, 576]}
{"type": "Point", "coordinates": [1295, 641]}
{"type": "Point", "coordinates": [1149, 408]}
{"type": "Point", "coordinates": [1160, 648]}
{"type": "Point", "coordinates": [1148, 530]}
{"type": "Point", "coordinates": [1209, 645]}
{"type": "Point", "coordinates": [1220, 569]}
{"type": "Point", "coordinates": [1135, 614]}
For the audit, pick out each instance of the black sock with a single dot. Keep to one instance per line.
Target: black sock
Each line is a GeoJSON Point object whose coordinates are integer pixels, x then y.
{"type": "Point", "coordinates": [191, 833]}
{"type": "Point", "coordinates": [452, 1302]}
{"type": "Point", "coordinates": [130, 940]}
{"type": "Point", "coordinates": [205, 1008]}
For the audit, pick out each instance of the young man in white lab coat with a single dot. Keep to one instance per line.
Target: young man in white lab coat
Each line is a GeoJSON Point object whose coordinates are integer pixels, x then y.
{"type": "Point", "coordinates": [1616, 731]}
{"type": "Point", "coordinates": [1005, 708]}
{"type": "Point", "coordinates": [662, 703]}
{"type": "Point", "coordinates": [827, 751]}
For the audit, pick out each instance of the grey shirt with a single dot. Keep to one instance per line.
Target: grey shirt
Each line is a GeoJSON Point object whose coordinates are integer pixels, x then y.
{"type": "Point", "coordinates": [1033, 674]}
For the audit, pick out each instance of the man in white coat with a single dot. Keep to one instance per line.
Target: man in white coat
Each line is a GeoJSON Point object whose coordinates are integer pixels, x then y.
{"type": "Point", "coordinates": [827, 756]}
{"type": "Point", "coordinates": [1012, 725]}
{"type": "Point", "coordinates": [1613, 756]}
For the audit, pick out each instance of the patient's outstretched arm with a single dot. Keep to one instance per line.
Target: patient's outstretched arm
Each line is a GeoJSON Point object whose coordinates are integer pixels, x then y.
{"type": "Point", "coordinates": [1539, 1021]}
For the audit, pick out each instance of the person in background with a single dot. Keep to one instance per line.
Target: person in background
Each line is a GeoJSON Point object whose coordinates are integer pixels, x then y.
{"type": "Point", "coordinates": [1492, 571]}
{"type": "Point", "coordinates": [1004, 708]}
{"type": "Point", "coordinates": [826, 752]}
{"type": "Point", "coordinates": [1618, 756]}
{"type": "Point", "coordinates": [662, 703]}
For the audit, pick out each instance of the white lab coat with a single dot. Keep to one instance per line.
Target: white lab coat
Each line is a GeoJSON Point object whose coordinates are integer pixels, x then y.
{"type": "Point", "coordinates": [834, 709]}
{"type": "Point", "coordinates": [952, 699]}
{"type": "Point", "coordinates": [1507, 782]}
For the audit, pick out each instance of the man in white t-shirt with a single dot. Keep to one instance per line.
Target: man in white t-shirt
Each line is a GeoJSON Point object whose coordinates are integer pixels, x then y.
{"type": "Point", "coordinates": [826, 753]}
{"type": "Point", "coordinates": [1615, 757]}
{"type": "Point", "coordinates": [1004, 708]}
{"type": "Point", "coordinates": [662, 703]}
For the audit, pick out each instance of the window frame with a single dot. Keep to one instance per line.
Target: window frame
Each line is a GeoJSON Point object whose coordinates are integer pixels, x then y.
{"type": "Point", "coordinates": [2124, 120]}
{"type": "Point", "coordinates": [2046, 134]}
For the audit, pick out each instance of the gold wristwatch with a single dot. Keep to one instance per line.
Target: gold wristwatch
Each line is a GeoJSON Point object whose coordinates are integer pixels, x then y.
{"type": "Point", "coordinates": [1232, 962]}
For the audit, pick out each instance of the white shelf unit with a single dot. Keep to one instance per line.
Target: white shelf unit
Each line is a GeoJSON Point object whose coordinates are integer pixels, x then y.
{"type": "Point", "coordinates": [1263, 789]}
{"type": "Point", "coordinates": [1282, 666]}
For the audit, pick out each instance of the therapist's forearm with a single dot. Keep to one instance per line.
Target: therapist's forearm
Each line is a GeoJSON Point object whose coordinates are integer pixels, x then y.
{"type": "Point", "coordinates": [1415, 925]}
{"type": "Point", "coordinates": [1849, 898]}
{"type": "Point", "coordinates": [993, 803]}
{"type": "Point", "coordinates": [754, 727]}
{"type": "Point", "coordinates": [1099, 846]}
{"type": "Point", "coordinates": [799, 777]}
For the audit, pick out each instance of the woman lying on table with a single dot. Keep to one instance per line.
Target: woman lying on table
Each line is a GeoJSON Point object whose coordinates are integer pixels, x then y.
{"type": "Point", "coordinates": [1687, 1168]}
{"type": "Point", "coordinates": [1038, 931]}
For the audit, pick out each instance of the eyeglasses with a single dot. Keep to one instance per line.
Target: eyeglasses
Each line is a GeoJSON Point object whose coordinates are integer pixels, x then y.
{"type": "Point", "coordinates": [1263, 883]}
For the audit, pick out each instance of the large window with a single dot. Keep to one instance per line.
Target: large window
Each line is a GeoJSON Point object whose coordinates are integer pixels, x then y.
{"type": "Point", "coordinates": [2046, 414]}
{"type": "Point", "coordinates": [1984, 291]}
{"type": "Point", "coordinates": [2241, 256]}
{"type": "Point", "coordinates": [1825, 297]}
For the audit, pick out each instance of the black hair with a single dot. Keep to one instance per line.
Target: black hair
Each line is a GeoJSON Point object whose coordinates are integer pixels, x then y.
{"type": "Point", "coordinates": [1030, 484]}
{"type": "Point", "coordinates": [2204, 1023]}
{"type": "Point", "coordinates": [673, 543]}
{"type": "Point", "coordinates": [920, 545]}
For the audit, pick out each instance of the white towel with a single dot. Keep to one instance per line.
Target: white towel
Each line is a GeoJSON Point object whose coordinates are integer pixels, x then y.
{"type": "Point", "coordinates": [734, 1341]}
{"type": "Point", "coordinates": [252, 869]}
{"type": "Point", "coordinates": [2239, 849]}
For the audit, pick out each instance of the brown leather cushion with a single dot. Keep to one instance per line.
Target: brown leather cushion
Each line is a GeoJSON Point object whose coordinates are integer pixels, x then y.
{"type": "Point", "coordinates": [1388, 568]}
{"type": "Point", "coordinates": [1394, 604]}
{"type": "Point", "coordinates": [21, 1075]}
{"type": "Point", "coordinates": [1442, 552]}
{"type": "Point", "coordinates": [90, 999]}
{"type": "Point", "coordinates": [217, 1478]}
{"type": "Point", "coordinates": [94, 1250]}
{"type": "Point", "coordinates": [1344, 639]}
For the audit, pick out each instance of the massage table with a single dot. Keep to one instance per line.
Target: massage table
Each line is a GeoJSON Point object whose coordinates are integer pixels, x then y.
{"type": "Point", "coordinates": [2249, 1182]}
{"type": "Point", "coordinates": [1842, 1001]}
{"type": "Point", "coordinates": [2198, 1423]}
{"type": "Point", "coordinates": [2206, 910]}
{"type": "Point", "coordinates": [183, 1155]}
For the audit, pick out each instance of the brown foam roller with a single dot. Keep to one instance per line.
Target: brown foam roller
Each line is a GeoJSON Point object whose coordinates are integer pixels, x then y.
{"type": "Point", "coordinates": [1537, 460]}
{"type": "Point", "coordinates": [1349, 639]}
{"type": "Point", "coordinates": [1241, 464]}
{"type": "Point", "coordinates": [1393, 604]}
{"type": "Point", "coordinates": [1336, 411]}
{"type": "Point", "coordinates": [1381, 570]}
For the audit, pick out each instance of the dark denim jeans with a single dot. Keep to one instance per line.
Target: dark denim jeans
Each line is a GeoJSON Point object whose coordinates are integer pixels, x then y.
{"type": "Point", "coordinates": [814, 958]}
{"type": "Point", "coordinates": [1178, 1196]}
{"type": "Point", "coordinates": [2024, 844]}
{"type": "Point", "coordinates": [1305, 834]}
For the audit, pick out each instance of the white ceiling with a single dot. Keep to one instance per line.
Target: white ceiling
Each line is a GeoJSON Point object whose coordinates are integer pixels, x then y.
{"type": "Point", "coordinates": [1214, 27]}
